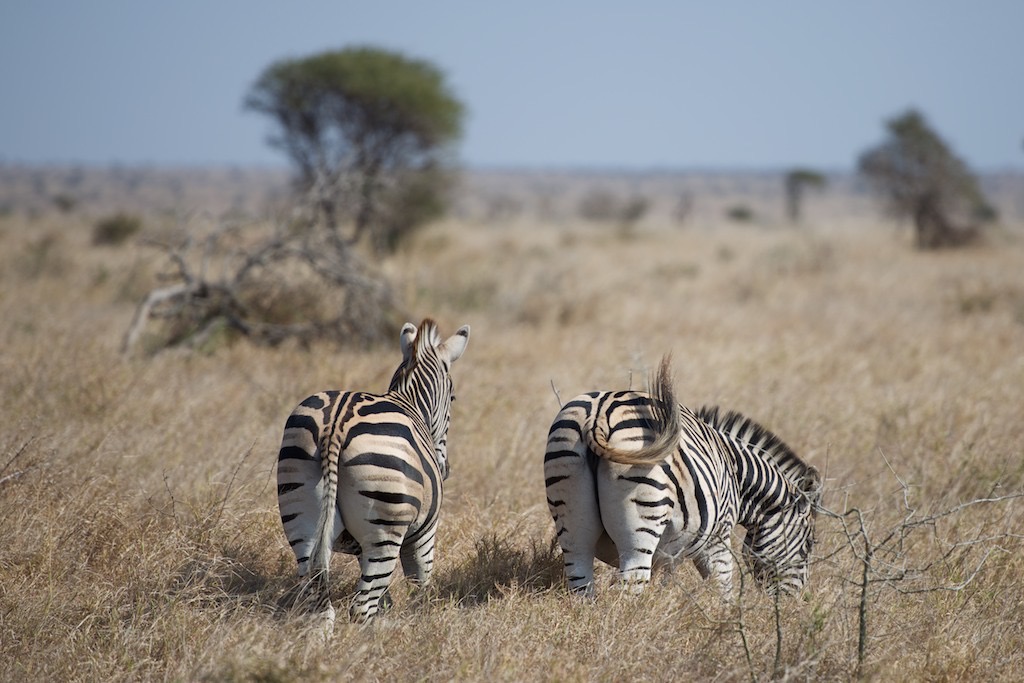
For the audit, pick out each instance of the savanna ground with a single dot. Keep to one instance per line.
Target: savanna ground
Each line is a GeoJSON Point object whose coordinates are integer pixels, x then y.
{"type": "Point", "coordinates": [140, 532]}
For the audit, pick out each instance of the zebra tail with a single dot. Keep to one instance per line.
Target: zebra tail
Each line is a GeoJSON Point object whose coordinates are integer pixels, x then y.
{"type": "Point", "coordinates": [664, 424]}
{"type": "Point", "coordinates": [320, 553]}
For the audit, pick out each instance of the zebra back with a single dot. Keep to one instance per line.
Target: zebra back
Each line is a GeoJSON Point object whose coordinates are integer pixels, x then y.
{"type": "Point", "coordinates": [767, 446]}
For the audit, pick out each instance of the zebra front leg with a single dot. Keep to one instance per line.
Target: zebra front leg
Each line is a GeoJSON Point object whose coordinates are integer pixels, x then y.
{"type": "Point", "coordinates": [717, 562]}
{"type": "Point", "coordinates": [664, 566]}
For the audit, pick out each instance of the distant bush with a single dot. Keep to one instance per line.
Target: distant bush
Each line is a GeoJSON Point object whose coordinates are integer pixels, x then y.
{"type": "Point", "coordinates": [598, 205]}
{"type": "Point", "coordinates": [741, 213]}
{"type": "Point", "coordinates": [419, 198]}
{"type": "Point", "coordinates": [116, 229]}
{"type": "Point", "coordinates": [65, 203]}
{"type": "Point", "coordinates": [604, 206]}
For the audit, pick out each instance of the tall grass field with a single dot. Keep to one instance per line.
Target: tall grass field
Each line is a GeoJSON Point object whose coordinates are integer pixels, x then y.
{"type": "Point", "coordinates": [139, 532]}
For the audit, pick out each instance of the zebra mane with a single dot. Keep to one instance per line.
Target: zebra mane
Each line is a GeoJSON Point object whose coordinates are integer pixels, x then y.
{"type": "Point", "coordinates": [427, 338]}
{"type": "Point", "coordinates": [764, 443]}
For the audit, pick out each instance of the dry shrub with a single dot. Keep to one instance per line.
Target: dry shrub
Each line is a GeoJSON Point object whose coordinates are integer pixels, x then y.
{"type": "Point", "coordinates": [116, 229]}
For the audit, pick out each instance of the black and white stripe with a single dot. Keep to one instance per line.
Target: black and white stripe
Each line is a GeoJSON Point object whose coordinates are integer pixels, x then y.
{"type": "Point", "coordinates": [362, 473]}
{"type": "Point", "coordinates": [638, 481]}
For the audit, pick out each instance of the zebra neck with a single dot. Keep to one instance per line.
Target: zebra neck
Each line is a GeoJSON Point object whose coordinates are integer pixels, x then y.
{"type": "Point", "coordinates": [764, 492]}
{"type": "Point", "coordinates": [418, 405]}
{"type": "Point", "coordinates": [414, 404]}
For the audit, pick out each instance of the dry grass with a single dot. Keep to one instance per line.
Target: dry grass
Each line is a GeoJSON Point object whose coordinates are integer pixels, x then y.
{"type": "Point", "coordinates": [140, 537]}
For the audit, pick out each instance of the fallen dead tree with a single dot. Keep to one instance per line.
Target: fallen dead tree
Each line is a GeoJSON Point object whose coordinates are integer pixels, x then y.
{"type": "Point", "coordinates": [303, 281]}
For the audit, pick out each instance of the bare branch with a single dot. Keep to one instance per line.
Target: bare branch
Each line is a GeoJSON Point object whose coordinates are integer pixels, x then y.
{"type": "Point", "coordinates": [555, 390]}
{"type": "Point", "coordinates": [143, 312]}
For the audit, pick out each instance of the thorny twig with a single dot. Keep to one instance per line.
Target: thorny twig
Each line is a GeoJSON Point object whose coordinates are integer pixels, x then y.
{"type": "Point", "coordinates": [884, 560]}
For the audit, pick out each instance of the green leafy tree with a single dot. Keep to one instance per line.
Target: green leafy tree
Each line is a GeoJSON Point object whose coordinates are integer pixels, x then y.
{"type": "Point", "coordinates": [918, 177]}
{"type": "Point", "coordinates": [370, 132]}
{"type": "Point", "coordinates": [798, 181]}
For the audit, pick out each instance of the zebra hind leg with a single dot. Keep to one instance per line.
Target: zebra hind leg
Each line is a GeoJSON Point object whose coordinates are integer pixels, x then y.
{"type": "Point", "coordinates": [635, 512]}
{"type": "Point", "coordinates": [418, 562]}
{"type": "Point", "coordinates": [572, 501]}
{"type": "Point", "coordinates": [578, 537]}
{"type": "Point", "coordinates": [377, 565]}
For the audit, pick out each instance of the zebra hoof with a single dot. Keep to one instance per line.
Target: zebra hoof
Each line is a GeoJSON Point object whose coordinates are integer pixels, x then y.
{"type": "Point", "coordinates": [584, 593]}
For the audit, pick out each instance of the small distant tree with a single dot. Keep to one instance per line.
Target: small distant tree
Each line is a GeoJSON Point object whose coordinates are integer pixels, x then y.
{"type": "Point", "coordinates": [918, 177]}
{"type": "Point", "coordinates": [798, 181]}
{"type": "Point", "coordinates": [683, 208]}
{"type": "Point", "coordinates": [370, 133]}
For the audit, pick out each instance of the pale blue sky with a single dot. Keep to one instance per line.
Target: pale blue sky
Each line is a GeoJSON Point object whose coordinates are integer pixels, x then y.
{"type": "Point", "coordinates": [676, 85]}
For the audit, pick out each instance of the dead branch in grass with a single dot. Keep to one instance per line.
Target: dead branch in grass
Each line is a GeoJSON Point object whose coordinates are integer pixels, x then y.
{"type": "Point", "coordinates": [303, 282]}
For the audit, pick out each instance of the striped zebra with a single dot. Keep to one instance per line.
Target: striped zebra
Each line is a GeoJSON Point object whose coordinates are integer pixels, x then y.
{"type": "Point", "coordinates": [362, 473]}
{"type": "Point", "coordinates": [639, 482]}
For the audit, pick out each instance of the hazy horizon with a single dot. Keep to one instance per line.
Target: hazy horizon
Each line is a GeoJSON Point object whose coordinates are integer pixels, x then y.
{"type": "Point", "coordinates": [579, 86]}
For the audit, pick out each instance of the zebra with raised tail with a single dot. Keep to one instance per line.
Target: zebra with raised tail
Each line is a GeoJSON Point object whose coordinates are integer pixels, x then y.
{"type": "Point", "coordinates": [640, 482]}
{"type": "Point", "coordinates": [362, 473]}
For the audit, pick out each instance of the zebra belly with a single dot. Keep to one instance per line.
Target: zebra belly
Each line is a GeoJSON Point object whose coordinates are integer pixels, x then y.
{"type": "Point", "coordinates": [697, 523]}
{"type": "Point", "coordinates": [686, 542]}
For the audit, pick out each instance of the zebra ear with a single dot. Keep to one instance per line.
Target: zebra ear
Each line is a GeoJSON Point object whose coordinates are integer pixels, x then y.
{"type": "Point", "coordinates": [455, 345]}
{"type": "Point", "coordinates": [405, 340]}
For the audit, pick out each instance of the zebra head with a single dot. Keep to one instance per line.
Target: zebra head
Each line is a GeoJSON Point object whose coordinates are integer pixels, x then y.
{"type": "Point", "coordinates": [424, 378]}
{"type": "Point", "coordinates": [778, 550]}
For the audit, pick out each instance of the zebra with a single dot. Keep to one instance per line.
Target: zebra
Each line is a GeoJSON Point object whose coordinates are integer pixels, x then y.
{"type": "Point", "coordinates": [362, 473]}
{"type": "Point", "coordinates": [640, 482]}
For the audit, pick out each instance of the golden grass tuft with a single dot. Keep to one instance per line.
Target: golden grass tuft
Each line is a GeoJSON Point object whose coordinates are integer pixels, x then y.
{"type": "Point", "coordinates": [139, 536]}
